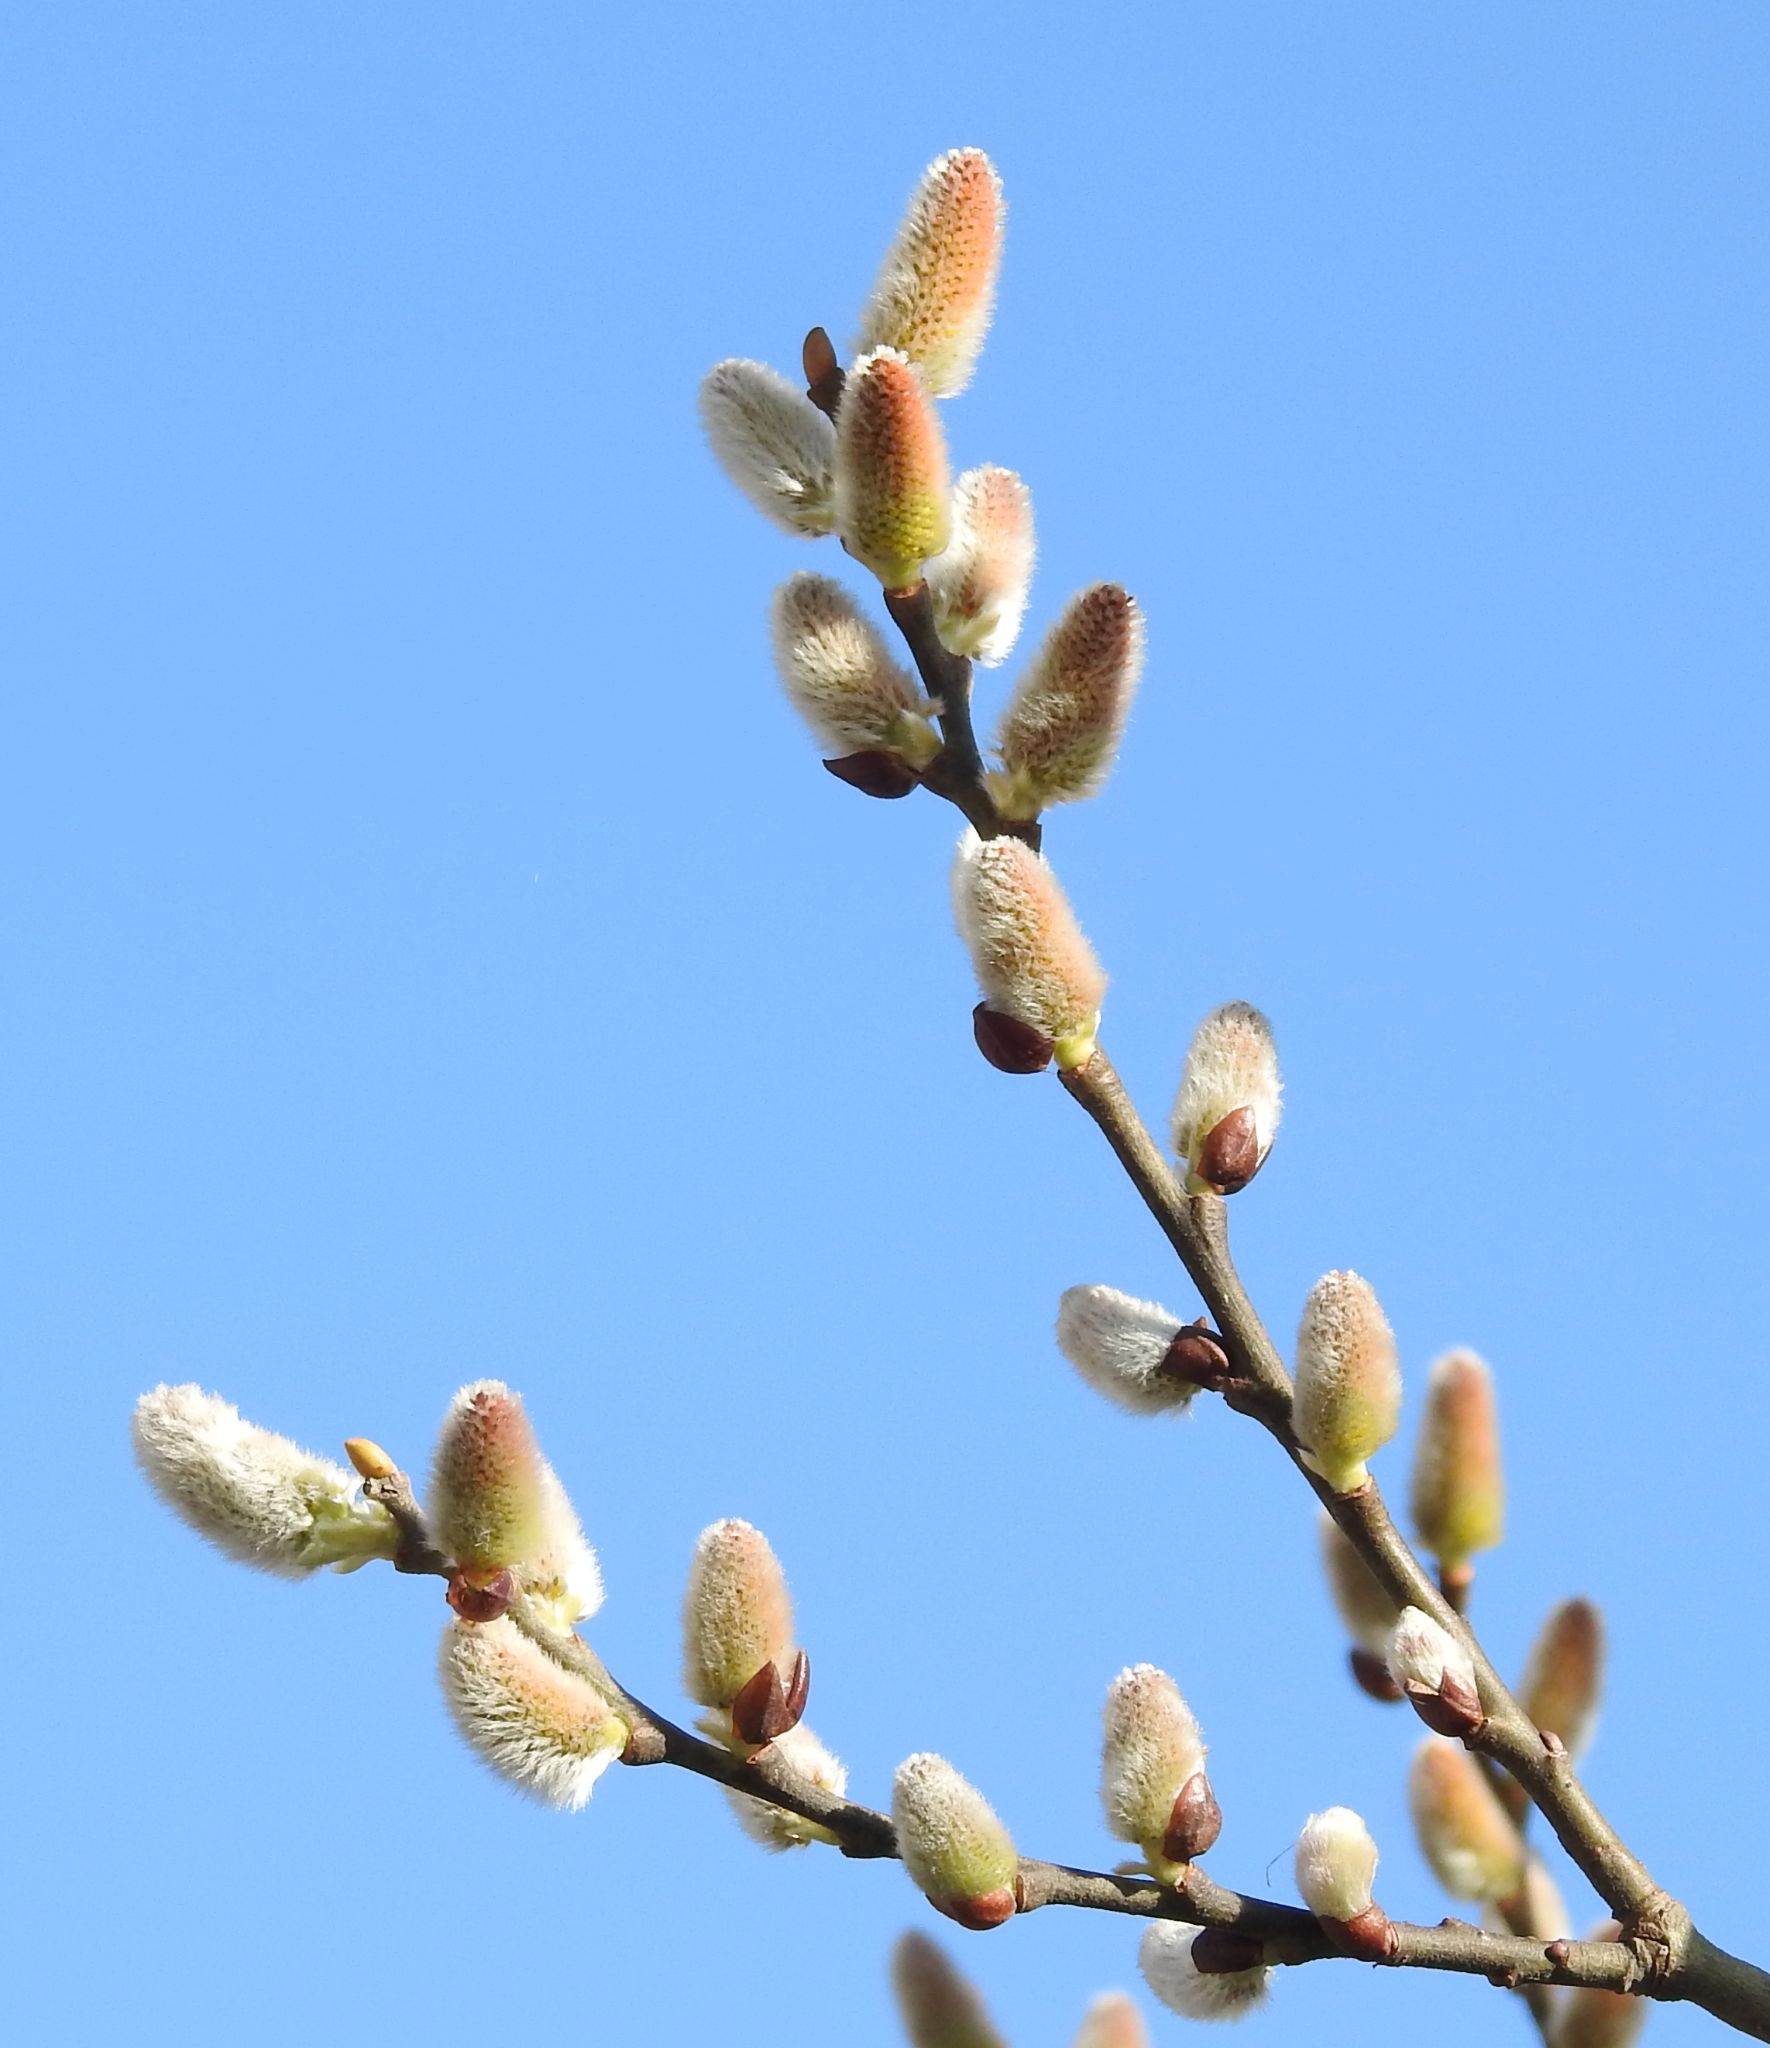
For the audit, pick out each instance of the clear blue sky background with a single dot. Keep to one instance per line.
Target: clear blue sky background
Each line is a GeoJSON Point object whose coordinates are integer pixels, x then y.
{"type": "Point", "coordinates": [434, 950]}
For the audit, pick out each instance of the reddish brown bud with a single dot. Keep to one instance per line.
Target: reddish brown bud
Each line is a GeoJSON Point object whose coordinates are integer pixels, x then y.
{"type": "Point", "coordinates": [1009, 1045]}
{"type": "Point", "coordinates": [1453, 1709]}
{"type": "Point", "coordinates": [987, 1910]}
{"type": "Point", "coordinates": [1367, 1936]}
{"type": "Point", "coordinates": [875, 771]}
{"type": "Point", "coordinates": [1197, 1358]}
{"type": "Point", "coordinates": [1218, 1952]}
{"type": "Point", "coordinates": [1372, 1676]}
{"type": "Point", "coordinates": [767, 1705]}
{"type": "Point", "coordinates": [1196, 1821]}
{"type": "Point", "coordinates": [1231, 1155]}
{"type": "Point", "coordinates": [481, 1596]}
{"type": "Point", "coordinates": [823, 372]}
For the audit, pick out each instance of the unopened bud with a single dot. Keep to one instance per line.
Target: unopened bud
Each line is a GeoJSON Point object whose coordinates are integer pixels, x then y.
{"type": "Point", "coordinates": [773, 1827]}
{"type": "Point", "coordinates": [772, 1702]}
{"type": "Point", "coordinates": [255, 1495]}
{"type": "Point", "coordinates": [495, 1501]}
{"type": "Point", "coordinates": [1152, 1778]}
{"type": "Point", "coordinates": [843, 682]}
{"type": "Point", "coordinates": [1459, 1492]}
{"type": "Point", "coordinates": [1590, 2018]}
{"type": "Point", "coordinates": [737, 1616]}
{"type": "Point", "coordinates": [773, 443]}
{"type": "Point", "coordinates": [1120, 1346]}
{"type": "Point", "coordinates": [1010, 1046]}
{"type": "Point", "coordinates": [1226, 1113]}
{"type": "Point", "coordinates": [952, 1844]}
{"type": "Point", "coordinates": [1061, 728]}
{"type": "Point", "coordinates": [980, 583]}
{"type": "Point", "coordinates": [1112, 2021]}
{"type": "Point", "coordinates": [1192, 1984]}
{"type": "Point", "coordinates": [1564, 1679]}
{"type": "Point", "coordinates": [875, 771]}
{"type": "Point", "coordinates": [937, 286]}
{"type": "Point", "coordinates": [369, 1459]}
{"type": "Point", "coordinates": [1366, 1610]}
{"type": "Point", "coordinates": [891, 472]}
{"type": "Point", "coordinates": [1464, 1831]}
{"type": "Point", "coordinates": [1435, 1672]}
{"type": "Point", "coordinates": [1031, 959]}
{"type": "Point", "coordinates": [940, 2008]}
{"type": "Point", "coordinates": [544, 1728]}
{"type": "Point", "coordinates": [1348, 1398]}
{"type": "Point", "coordinates": [1336, 1862]}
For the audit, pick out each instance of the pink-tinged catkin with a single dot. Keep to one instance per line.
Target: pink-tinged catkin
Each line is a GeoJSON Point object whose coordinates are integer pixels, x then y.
{"type": "Point", "coordinates": [1032, 961]}
{"type": "Point", "coordinates": [1169, 1969]}
{"type": "Point", "coordinates": [545, 1729]}
{"type": "Point", "coordinates": [1564, 1680]}
{"type": "Point", "coordinates": [1463, 1830]}
{"type": "Point", "coordinates": [940, 2007]}
{"type": "Point", "coordinates": [486, 1498]}
{"type": "Point", "coordinates": [937, 287]}
{"type": "Point", "coordinates": [255, 1495]}
{"type": "Point", "coordinates": [773, 443]}
{"type": "Point", "coordinates": [981, 582]}
{"type": "Point", "coordinates": [891, 470]}
{"type": "Point", "coordinates": [1231, 1072]}
{"type": "Point", "coordinates": [737, 1615]}
{"type": "Point", "coordinates": [1348, 1398]}
{"type": "Point", "coordinates": [953, 1846]}
{"type": "Point", "coordinates": [1061, 728]}
{"type": "Point", "coordinates": [835, 667]}
{"type": "Point", "coordinates": [1459, 1491]}
{"type": "Point", "coordinates": [1150, 1749]}
{"type": "Point", "coordinates": [1112, 2021]}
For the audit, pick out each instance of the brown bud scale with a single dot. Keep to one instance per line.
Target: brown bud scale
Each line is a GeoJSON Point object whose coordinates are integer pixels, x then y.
{"type": "Point", "coordinates": [1218, 1952]}
{"type": "Point", "coordinates": [1010, 1046]}
{"type": "Point", "coordinates": [481, 1596]}
{"type": "Point", "coordinates": [1230, 1156]}
{"type": "Point", "coordinates": [1452, 1710]}
{"type": "Point", "coordinates": [988, 1909]}
{"type": "Point", "coordinates": [1195, 1823]}
{"type": "Point", "coordinates": [875, 771]}
{"type": "Point", "coordinates": [1197, 1358]}
{"type": "Point", "coordinates": [768, 1706]}
{"type": "Point", "coordinates": [1367, 1936]}
{"type": "Point", "coordinates": [1372, 1676]}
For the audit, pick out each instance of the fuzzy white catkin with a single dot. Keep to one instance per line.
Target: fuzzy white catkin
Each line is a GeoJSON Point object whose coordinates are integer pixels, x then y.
{"type": "Point", "coordinates": [773, 1827]}
{"type": "Point", "coordinates": [545, 1729]}
{"type": "Point", "coordinates": [1117, 1344]}
{"type": "Point", "coordinates": [1231, 1064]}
{"type": "Point", "coordinates": [1165, 1958]}
{"type": "Point", "coordinates": [773, 443]}
{"type": "Point", "coordinates": [1150, 1747]}
{"type": "Point", "coordinates": [948, 1835]}
{"type": "Point", "coordinates": [839, 674]}
{"type": "Point", "coordinates": [1422, 1652]}
{"type": "Point", "coordinates": [1030, 956]}
{"type": "Point", "coordinates": [1348, 1399]}
{"type": "Point", "coordinates": [1336, 1862]}
{"type": "Point", "coordinates": [563, 1578]}
{"type": "Point", "coordinates": [255, 1495]}
{"type": "Point", "coordinates": [981, 581]}
{"type": "Point", "coordinates": [736, 1615]}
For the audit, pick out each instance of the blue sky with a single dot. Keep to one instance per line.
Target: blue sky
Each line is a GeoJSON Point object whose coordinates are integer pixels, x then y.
{"type": "Point", "coordinates": [436, 952]}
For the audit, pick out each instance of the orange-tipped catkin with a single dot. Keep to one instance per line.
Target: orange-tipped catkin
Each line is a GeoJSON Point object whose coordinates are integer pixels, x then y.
{"type": "Point", "coordinates": [955, 1849]}
{"type": "Point", "coordinates": [1226, 1112]}
{"type": "Point", "coordinates": [1564, 1680]}
{"type": "Point", "coordinates": [1033, 963]}
{"type": "Point", "coordinates": [1061, 728]}
{"type": "Point", "coordinates": [773, 443]}
{"type": "Point", "coordinates": [980, 583]}
{"type": "Point", "coordinates": [1464, 1832]}
{"type": "Point", "coordinates": [1459, 1490]}
{"type": "Point", "coordinates": [840, 676]}
{"type": "Point", "coordinates": [891, 470]}
{"type": "Point", "coordinates": [940, 2007]}
{"type": "Point", "coordinates": [1348, 1398]}
{"type": "Point", "coordinates": [737, 1615]}
{"type": "Point", "coordinates": [937, 286]}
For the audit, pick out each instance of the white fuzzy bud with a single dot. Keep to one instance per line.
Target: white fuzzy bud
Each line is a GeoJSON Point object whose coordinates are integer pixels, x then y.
{"type": "Point", "coordinates": [1166, 1960]}
{"type": "Point", "coordinates": [1226, 1113]}
{"type": "Point", "coordinates": [773, 443]}
{"type": "Point", "coordinates": [544, 1728]}
{"type": "Point", "coordinates": [1348, 1399]}
{"type": "Point", "coordinates": [1117, 1344]}
{"type": "Point", "coordinates": [773, 1827]}
{"type": "Point", "coordinates": [1422, 1654]}
{"type": "Point", "coordinates": [840, 676]}
{"type": "Point", "coordinates": [980, 583]}
{"type": "Point", "coordinates": [255, 1495]}
{"type": "Point", "coordinates": [1336, 1861]}
{"type": "Point", "coordinates": [952, 1844]}
{"type": "Point", "coordinates": [1032, 961]}
{"type": "Point", "coordinates": [1151, 1748]}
